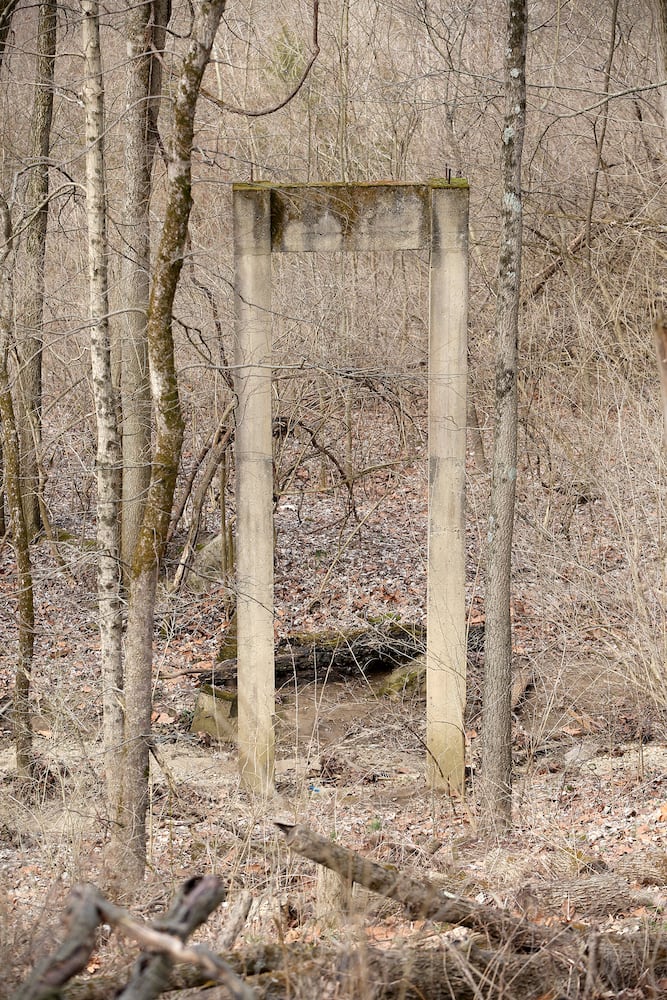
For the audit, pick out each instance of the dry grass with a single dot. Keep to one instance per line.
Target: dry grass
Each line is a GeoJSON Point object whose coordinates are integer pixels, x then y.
{"type": "Point", "coordinates": [350, 344]}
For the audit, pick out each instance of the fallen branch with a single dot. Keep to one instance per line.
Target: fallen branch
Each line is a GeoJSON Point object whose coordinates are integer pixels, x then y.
{"type": "Point", "coordinates": [501, 957]}
{"type": "Point", "coordinates": [164, 942]}
{"type": "Point", "coordinates": [81, 920]}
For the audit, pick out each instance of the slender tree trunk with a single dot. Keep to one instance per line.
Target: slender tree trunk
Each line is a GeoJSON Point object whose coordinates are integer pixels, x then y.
{"type": "Point", "coordinates": [661, 24]}
{"type": "Point", "coordinates": [7, 8]}
{"type": "Point", "coordinates": [145, 27]}
{"type": "Point", "coordinates": [497, 718]}
{"type": "Point", "coordinates": [168, 440]}
{"type": "Point", "coordinates": [3, 522]}
{"type": "Point", "coordinates": [31, 340]}
{"type": "Point", "coordinates": [20, 540]}
{"type": "Point", "coordinates": [108, 458]}
{"type": "Point", "coordinates": [600, 133]}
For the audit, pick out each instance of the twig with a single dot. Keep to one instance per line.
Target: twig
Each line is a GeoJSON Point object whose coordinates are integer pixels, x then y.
{"type": "Point", "coordinates": [218, 447]}
{"type": "Point", "coordinates": [214, 448]}
{"type": "Point", "coordinates": [547, 272]}
{"type": "Point", "coordinates": [272, 108]}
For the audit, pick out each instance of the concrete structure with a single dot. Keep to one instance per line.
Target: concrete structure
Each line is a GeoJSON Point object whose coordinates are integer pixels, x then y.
{"type": "Point", "coordinates": [309, 218]}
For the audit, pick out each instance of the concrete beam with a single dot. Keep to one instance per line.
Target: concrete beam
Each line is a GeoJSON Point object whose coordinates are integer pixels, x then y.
{"type": "Point", "coordinates": [356, 217]}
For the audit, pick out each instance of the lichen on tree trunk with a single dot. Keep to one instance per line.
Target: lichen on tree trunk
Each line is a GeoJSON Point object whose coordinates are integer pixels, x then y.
{"type": "Point", "coordinates": [145, 33]}
{"type": "Point", "coordinates": [151, 540]}
{"type": "Point", "coordinates": [108, 458]}
{"type": "Point", "coordinates": [497, 719]}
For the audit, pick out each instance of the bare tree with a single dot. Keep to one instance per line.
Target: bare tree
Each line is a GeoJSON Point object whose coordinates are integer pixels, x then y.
{"type": "Point", "coordinates": [600, 131]}
{"type": "Point", "coordinates": [30, 344]}
{"type": "Point", "coordinates": [20, 540]}
{"type": "Point", "coordinates": [7, 8]}
{"type": "Point", "coordinates": [108, 458]}
{"type": "Point", "coordinates": [661, 19]}
{"type": "Point", "coordinates": [497, 730]}
{"type": "Point", "coordinates": [167, 447]}
{"type": "Point", "coordinates": [145, 32]}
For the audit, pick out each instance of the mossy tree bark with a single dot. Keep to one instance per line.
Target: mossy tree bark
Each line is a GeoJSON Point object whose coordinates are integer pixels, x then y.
{"type": "Point", "coordinates": [29, 409]}
{"type": "Point", "coordinates": [145, 32]}
{"type": "Point", "coordinates": [20, 540]}
{"type": "Point", "coordinates": [497, 712]}
{"type": "Point", "coordinates": [167, 448]}
{"type": "Point", "coordinates": [108, 457]}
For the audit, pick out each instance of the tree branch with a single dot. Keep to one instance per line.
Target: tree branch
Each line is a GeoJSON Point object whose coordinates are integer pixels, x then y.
{"type": "Point", "coordinates": [272, 108]}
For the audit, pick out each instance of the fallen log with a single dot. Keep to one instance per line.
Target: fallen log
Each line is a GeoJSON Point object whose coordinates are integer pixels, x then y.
{"type": "Point", "coordinates": [337, 655]}
{"type": "Point", "coordinates": [593, 897]}
{"type": "Point", "coordinates": [499, 955]}
{"type": "Point", "coordinates": [453, 972]}
{"type": "Point", "coordinates": [517, 958]}
{"type": "Point", "coordinates": [342, 654]}
{"type": "Point", "coordinates": [445, 971]}
{"type": "Point", "coordinates": [421, 899]}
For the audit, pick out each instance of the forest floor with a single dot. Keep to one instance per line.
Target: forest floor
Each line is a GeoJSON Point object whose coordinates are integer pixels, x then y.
{"type": "Point", "coordinates": [590, 741]}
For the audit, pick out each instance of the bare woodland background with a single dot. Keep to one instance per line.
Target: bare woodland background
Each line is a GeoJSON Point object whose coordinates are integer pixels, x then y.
{"type": "Point", "coordinates": [402, 91]}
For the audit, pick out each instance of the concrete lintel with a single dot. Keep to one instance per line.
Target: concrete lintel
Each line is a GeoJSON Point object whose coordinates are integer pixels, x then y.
{"type": "Point", "coordinates": [374, 216]}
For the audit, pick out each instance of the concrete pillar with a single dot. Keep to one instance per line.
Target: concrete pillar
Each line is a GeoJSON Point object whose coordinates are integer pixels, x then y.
{"type": "Point", "coordinates": [446, 643]}
{"type": "Point", "coordinates": [254, 485]}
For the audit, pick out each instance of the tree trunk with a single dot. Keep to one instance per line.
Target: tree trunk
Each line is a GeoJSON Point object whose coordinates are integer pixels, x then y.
{"type": "Point", "coordinates": [20, 540]}
{"type": "Point", "coordinates": [29, 409]}
{"type": "Point", "coordinates": [145, 26]}
{"type": "Point", "coordinates": [497, 718]}
{"type": "Point", "coordinates": [108, 439]}
{"type": "Point", "coordinates": [600, 132]}
{"type": "Point", "coordinates": [3, 522]}
{"type": "Point", "coordinates": [169, 435]}
{"type": "Point", "coordinates": [661, 24]}
{"type": "Point", "coordinates": [7, 8]}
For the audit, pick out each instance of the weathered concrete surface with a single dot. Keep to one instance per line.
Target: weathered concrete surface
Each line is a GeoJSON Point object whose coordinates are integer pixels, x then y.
{"type": "Point", "coordinates": [446, 641]}
{"type": "Point", "coordinates": [356, 217]}
{"type": "Point", "coordinates": [333, 217]}
{"type": "Point", "coordinates": [254, 479]}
